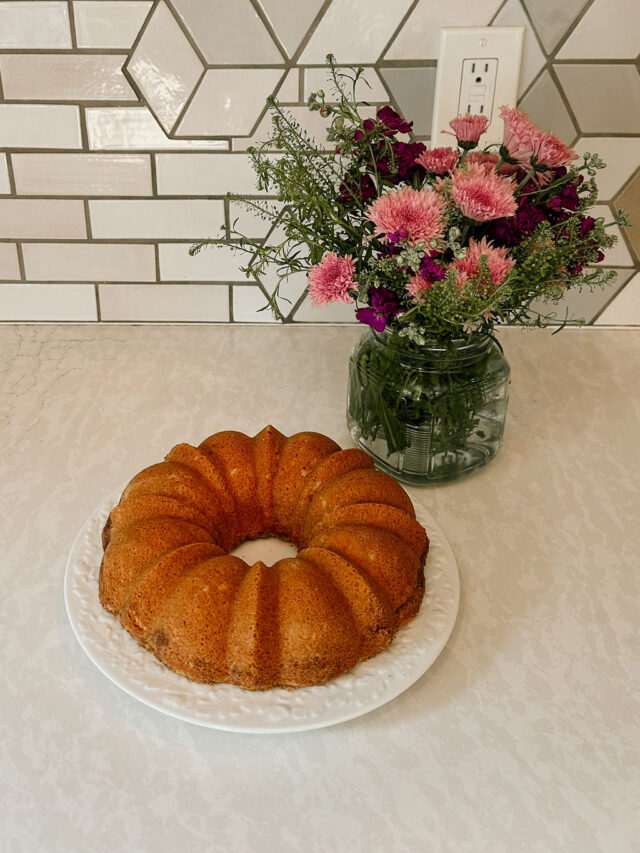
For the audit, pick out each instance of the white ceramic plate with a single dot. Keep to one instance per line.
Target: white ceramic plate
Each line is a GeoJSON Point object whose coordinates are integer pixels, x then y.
{"type": "Point", "coordinates": [369, 685]}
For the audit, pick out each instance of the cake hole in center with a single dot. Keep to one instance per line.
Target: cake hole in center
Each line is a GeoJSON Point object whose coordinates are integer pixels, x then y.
{"type": "Point", "coordinates": [268, 550]}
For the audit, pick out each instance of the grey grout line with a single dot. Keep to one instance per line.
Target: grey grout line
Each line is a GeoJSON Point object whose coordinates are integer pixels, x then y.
{"type": "Point", "coordinates": [312, 28]}
{"type": "Point", "coordinates": [395, 33]}
{"type": "Point", "coordinates": [497, 12]}
{"type": "Point", "coordinates": [98, 310]}
{"type": "Point", "coordinates": [23, 276]}
{"type": "Point", "coordinates": [12, 178]}
{"type": "Point", "coordinates": [565, 99]}
{"type": "Point", "coordinates": [84, 136]}
{"type": "Point", "coordinates": [187, 103]}
{"type": "Point", "coordinates": [617, 291]}
{"type": "Point", "coordinates": [406, 63]}
{"type": "Point", "coordinates": [301, 76]}
{"type": "Point", "coordinates": [156, 255]}
{"type": "Point", "coordinates": [230, 304]}
{"type": "Point", "coordinates": [87, 218]}
{"type": "Point", "coordinates": [257, 8]}
{"type": "Point", "coordinates": [185, 30]}
{"type": "Point", "coordinates": [72, 25]}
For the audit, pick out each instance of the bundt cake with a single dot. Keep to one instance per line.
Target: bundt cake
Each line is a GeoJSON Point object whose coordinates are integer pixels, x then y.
{"type": "Point", "coordinates": [168, 576]}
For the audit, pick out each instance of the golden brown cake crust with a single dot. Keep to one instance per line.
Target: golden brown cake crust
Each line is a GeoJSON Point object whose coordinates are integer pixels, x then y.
{"type": "Point", "coordinates": [357, 578]}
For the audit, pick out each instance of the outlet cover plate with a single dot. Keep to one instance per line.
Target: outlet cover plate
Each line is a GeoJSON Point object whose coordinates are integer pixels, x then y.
{"type": "Point", "coordinates": [457, 44]}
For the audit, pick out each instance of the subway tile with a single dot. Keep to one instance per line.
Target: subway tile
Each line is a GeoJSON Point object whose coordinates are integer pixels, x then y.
{"type": "Point", "coordinates": [82, 174]}
{"type": "Point", "coordinates": [589, 89]}
{"type": "Point", "coordinates": [248, 222]}
{"type": "Point", "coordinates": [42, 218]}
{"type": "Point", "coordinates": [248, 301]}
{"type": "Point", "coordinates": [165, 302]}
{"type": "Point", "coordinates": [52, 77]}
{"type": "Point", "coordinates": [5, 186]}
{"type": "Point", "coordinates": [513, 15]}
{"type": "Point", "coordinates": [89, 261]}
{"type": "Point", "coordinates": [291, 19]}
{"type": "Point", "coordinates": [629, 200]}
{"type": "Point", "coordinates": [108, 24]}
{"type": "Point", "coordinates": [552, 19]}
{"type": "Point", "coordinates": [188, 219]}
{"type": "Point", "coordinates": [229, 101]}
{"type": "Point", "coordinates": [618, 255]}
{"type": "Point", "coordinates": [290, 290]}
{"type": "Point", "coordinates": [368, 88]}
{"type": "Point", "coordinates": [544, 104]}
{"type": "Point", "coordinates": [34, 25]}
{"type": "Point", "coordinates": [224, 30]}
{"type": "Point", "coordinates": [9, 266]}
{"type": "Point", "coordinates": [419, 37]}
{"type": "Point", "coordinates": [354, 30]}
{"type": "Point", "coordinates": [607, 30]}
{"type": "Point", "coordinates": [205, 174]}
{"type": "Point", "coordinates": [624, 310]}
{"type": "Point", "coordinates": [620, 153]}
{"type": "Point", "coordinates": [214, 263]}
{"type": "Point", "coordinates": [164, 66]}
{"type": "Point", "coordinates": [39, 126]}
{"type": "Point", "coordinates": [335, 312]}
{"type": "Point", "coordinates": [53, 302]}
{"type": "Point", "coordinates": [312, 123]}
{"type": "Point", "coordinates": [414, 90]}
{"type": "Point", "coordinates": [135, 129]}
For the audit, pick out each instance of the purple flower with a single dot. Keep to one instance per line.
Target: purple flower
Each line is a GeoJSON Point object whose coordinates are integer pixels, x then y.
{"type": "Point", "coordinates": [405, 154]}
{"type": "Point", "coordinates": [567, 200]}
{"type": "Point", "coordinates": [431, 270]}
{"type": "Point", "coordinates": [360, 186]}
{"type": "Point", "coordinates": [586, 225]}
{"type": "Point", "coordinates": [383, 306]}
{"type": "Point", "coordinates": [512, 230]}
{"type": "Point", "coordinates": [390, 119]}
{"type": "Point", "coordinates": [368, 124]}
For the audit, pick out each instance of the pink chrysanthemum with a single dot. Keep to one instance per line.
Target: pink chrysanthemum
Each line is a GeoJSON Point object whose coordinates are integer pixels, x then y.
{"type": "Point", "coordinates": [418, 212]}
{"type": "Point", "coordinates": [498, 262]}
{"type": "Point", "coordinates": [469, 128]}
{"type": "Point", "coordinates": [331, 279]}
{"type": "Point", "coordinates": [482, 195]}
{"type": "Point", "coordinates": [525, 141]}
{"type": "Point", "coordinates": [417, 285]}
{"type": "Point", "coordinates": [488, 161]}
{"type": "Point", "coordinates": [438, 161]}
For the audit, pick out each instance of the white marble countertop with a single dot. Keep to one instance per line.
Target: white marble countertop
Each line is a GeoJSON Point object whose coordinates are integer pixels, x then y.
{"type": "Point", "coordinates": [525, 734]}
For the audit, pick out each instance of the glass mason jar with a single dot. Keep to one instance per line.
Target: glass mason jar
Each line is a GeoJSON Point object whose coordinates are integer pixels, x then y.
{"type": "Point", "coordinates": [427, 413]}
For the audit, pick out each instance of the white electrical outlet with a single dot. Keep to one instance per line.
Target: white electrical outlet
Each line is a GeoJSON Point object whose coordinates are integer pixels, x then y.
{"type": "Point", "coordinates": [478, 72]}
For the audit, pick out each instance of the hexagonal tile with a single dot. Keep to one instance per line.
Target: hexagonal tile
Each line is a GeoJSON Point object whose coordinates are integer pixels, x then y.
{"type": "Point", "coordinates": [629, 200]}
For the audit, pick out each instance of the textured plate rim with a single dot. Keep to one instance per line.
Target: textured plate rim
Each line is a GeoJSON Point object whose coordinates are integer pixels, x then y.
{"type": "Point", "coordinates": [99, 653]}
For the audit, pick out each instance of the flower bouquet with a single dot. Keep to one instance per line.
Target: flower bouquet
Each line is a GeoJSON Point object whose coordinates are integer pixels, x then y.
{"type": "Point", "coordinates": [434, 248]}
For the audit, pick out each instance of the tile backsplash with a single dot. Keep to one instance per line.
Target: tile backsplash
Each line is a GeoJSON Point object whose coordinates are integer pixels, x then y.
{"type": "Point", "coordinates": [123, 124]}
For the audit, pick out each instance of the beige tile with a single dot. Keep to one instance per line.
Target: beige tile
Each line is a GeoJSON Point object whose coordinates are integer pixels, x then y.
{"type": "Point", "coordinates": [89, 262]}
{"type": "Point", "coordinates": [46, 218]}
{"type": "Point", "coordinates": [165, 66]}
{"type": "Point", "coordinates": [135, 129]}
{"type": "Point", "coordinates": [629, 200]}
{"type": "Point", "coordinates": [336, 312]}
{"type": "Point", "coordinates": [82, 174]}
{"type": "Point", "coordinates": [624, 310]}
{"type": "Point", "coordinates": [224, 30]}
{"type": "Point", "coordinates": [608, 30]}
{"type": "Point", "coordinates": [39, 126]}
{"type": "Point", "coordinates": [368, 88]}
{"type": "Point", "coordinates": [622, 156]}
{"type": "Point", "coordinates": [291, 19]}
{"type": "Point", "coordinates": [354, 30]}
{"type": "Point", "coordinates": [5, 186]}
{"type": "Point", "coordinates": [552, 18]}
{"type": "Point", "coordinates": [52, 77]}
{"type": "Point", "coordinates": [34, 25]}
{"type": "Point", "coordinates": [313, 123]}
{"type": "Point", "coordinates": [249, 223]}
{"type": "Point", "coordinates": [205, 174]}
{"type": "Point", "coordinates": [544, 104]}
{"type": "Point", "coordinates": [108, 24]}
{"type": "Point", "coordinates": [229, 101]}
{"type": "Point", "coordinates": [248, 300]}
{"type": "Point", "coordinates": [419, 37]}
{"type": "Point", "coordinates": [9, 266]}
{"type": "Point", "coordinates": [618, 255]}
{"type": "Point", "coordinates": [183, 219]}
{"type": "Point", "coordinates": [290, 290]}
{"type": "Point", "coordinates": [215, 263]}
{"type": "Point", "coordinates": [53, 302]}
{"type": "Point", "coordinates": [413, 89]}
{"type": "Point", "coordinates": [589, 89]}
{"type": "Point", "coordinates": [289, 89]}
{"type": "Point", "coordinates": [165, 302]}
{"type": "Point", "coordinates": [512, 15]}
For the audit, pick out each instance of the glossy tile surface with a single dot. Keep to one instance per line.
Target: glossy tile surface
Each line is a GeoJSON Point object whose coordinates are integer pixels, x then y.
{"type": "Point", "coordinates": [135, 128]}
{"type": "Point", "coordinates": [82, 174]}
{"type": "Point", "coordinates": [155, 218]}
{"type": "Point", "coordinates": [622, 156]}
{"type": "Point", "coordinates": [291, 19]}
{"type": "Point", "coordinates": [165, 66]}
{"type": "Point", "coordinates": [610, 29]}
{"type": "Point", "coordinates": [618, 255]}
{"type": "Point", "coordinates": [9, 266]}
{"type": "Point", "coordinates": [204, 174]}
{"type": "Point", "coordinates": [546, 108]}
{"type": "Point", "coordinates": [413, 90]}
{"type": "Point", "coordinates": [5, 185]}
{"type": "Point", "coordinates": [41, 218]}
{"type": "Point", "coordinates": [43, 25]}
{"type": "Point", "coordinates": [164, 302]}
{"type": "Point", "coordinates": [52, 302]}
{"type": "Point", "coordinates": [229, 101]}
{"type": "Point", "coordinates": [625, 308]}
{"type": "Point", "coordinates": [39, 126]}
{"type": "Point", "coordinates": [103, 23]}
{"type": "Point", "coordinates": [248, 300]}
{"type": "Point", "coordinates": [354, 30]}
{"type": "Point", "coordinates": [629, 200]}
{"type": "Point", "coordinates": [513, 15]}
{"type": "Point", "coordinates": [336, 312]}
{"type": "Point", "coordinates": [89, 262]}
{"type": "Point", "coordinates": [228, 32]}
{"type": "Point", "coordinates": [368, 88]}
{"type": "Point", "coordinates": [60, 77]}
{"type": "Point", "coordinates": [552, 19]}
{"type": "Point", "coordinates": [605, 98]}
{"type": "Point", "coordinates": [215, 263]}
